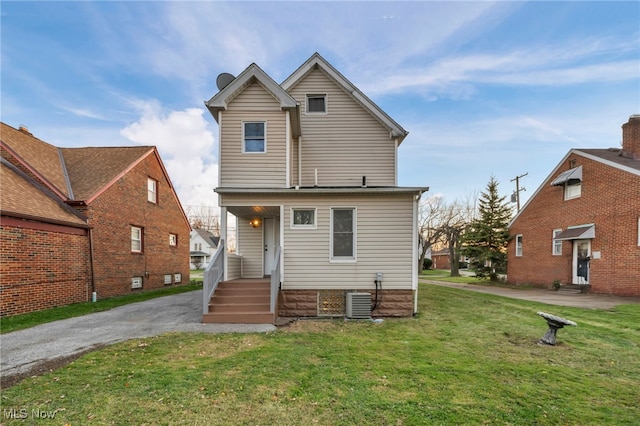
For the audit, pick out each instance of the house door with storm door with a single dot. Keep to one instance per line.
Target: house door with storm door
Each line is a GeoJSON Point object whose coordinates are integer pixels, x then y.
{"type": "Point", "coordinates": [581, 258]}
{"type": "Point", "coordinates": [271, 242]}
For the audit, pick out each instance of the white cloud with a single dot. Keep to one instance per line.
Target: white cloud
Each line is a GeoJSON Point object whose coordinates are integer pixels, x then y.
{"type": "Point", "coordinates": [187, 147]}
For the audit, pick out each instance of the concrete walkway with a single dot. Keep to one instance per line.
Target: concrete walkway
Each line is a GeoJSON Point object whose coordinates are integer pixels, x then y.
{"type": "Point", "coordinates": [551, 297]}
{"type": "Point", "coordinates": [37, 349]}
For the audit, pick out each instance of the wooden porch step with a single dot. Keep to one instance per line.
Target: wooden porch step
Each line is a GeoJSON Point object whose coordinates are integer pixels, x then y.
{"type": "Point", "coordinates": [241, 301]}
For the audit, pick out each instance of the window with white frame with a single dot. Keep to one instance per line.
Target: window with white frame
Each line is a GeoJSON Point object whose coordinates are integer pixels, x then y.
{"type": "Point", "coordinates": [343, 233]}
{"type": "Point", "coordinates": [173, 240]}
{"type": "Point", "coordinates": [152, 190]}
{"type": "Point", "coordinates": [167, 279]}
{"type": "Point", "coordinates": [519, 245]}
{"type": "Point", "coordinates": [303, 217]}
{"type": "Point", "coordinates": [572, 190]}
{"type": "Point", "coordinates": [317, 104]}
{"type": "Point", "coordinates": [177, 277]}
{"type": "Point", "coordinates": [136, 239]}
{"type": "Point", "coordinates": [557, 244]}
{"type": "Point", "coordinates": [255, 137]}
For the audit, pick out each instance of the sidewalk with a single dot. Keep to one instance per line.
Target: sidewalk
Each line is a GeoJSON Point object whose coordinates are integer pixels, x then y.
{"type": "Point", "coordinates": [589, 301]}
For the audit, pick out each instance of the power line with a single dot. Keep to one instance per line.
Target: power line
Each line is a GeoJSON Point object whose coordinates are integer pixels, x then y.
{"type": "Point", "coordinates": [515, 197]}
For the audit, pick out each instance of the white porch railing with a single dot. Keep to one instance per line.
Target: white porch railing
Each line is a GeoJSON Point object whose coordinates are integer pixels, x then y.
{"type": "Point", "coordinates": [275, 281]}
{"type": "Point", "coordinates": [212, 276]}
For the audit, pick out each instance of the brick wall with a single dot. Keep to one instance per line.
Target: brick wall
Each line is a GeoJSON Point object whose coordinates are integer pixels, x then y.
{"type": "Point", "coordinates": [111, 216]}
{"type": "Point", "coordinates": [41, 268]}
{"type": "Point", "coordinates": [610, 199]}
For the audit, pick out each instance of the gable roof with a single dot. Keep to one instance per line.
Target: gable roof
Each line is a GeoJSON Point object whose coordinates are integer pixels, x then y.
{"type": "Point", "coordinates": [253, 73]}
{"type": "Point", "coordinates": [610, 157]}
{"type": "Point", "coordinates": [318, 62]}
{"type": "Point", "coordinates": [208, 237]}
{"type": "Point", "coordinates": [90, 170]}
{"type": "Point", "coordinates": [39, 157]}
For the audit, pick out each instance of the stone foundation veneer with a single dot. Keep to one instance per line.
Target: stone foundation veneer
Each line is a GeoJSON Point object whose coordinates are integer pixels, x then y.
{"type": "Point", "coordinates": [304, 303]}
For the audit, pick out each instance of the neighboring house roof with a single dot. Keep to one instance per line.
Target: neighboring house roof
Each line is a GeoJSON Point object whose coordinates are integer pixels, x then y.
{"type": "Point", "coordinates": [39, 157]}
{"type": "Point", "coordinates": [24, 198]}
{"type": "Point", "coordinates": [610, 157]}
{"type": "Point", "coordinates": [91, 169]}
{"type": "Point", "coordinates": [318, 62]}
{"type": "Point", "coordinates": [208, 237]}
{"type": "Point", "coordinates": [75, 175]}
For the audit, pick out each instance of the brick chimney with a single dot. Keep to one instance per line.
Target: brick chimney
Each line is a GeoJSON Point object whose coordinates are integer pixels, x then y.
{"type": "Point", "coordinates": [25, 130]}
{"type": "Point", "coordinates": [631, 138]}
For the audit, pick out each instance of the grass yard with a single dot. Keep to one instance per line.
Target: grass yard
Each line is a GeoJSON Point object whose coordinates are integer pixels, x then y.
{"type": "Point", "coordinates": [468, 358]}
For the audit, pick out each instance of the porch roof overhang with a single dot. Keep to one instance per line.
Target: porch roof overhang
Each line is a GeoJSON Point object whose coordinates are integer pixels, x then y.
{"type": "Point", "coordinates": [571, 176]}
{"type": "Point", "coordinates": [325, 190]}
{"type": "Point", "coordinates": [199, 253]}
{"type": "Point", "coordinates": [583, 232]}
{"type": "Point", "coordinates": [261, 210]}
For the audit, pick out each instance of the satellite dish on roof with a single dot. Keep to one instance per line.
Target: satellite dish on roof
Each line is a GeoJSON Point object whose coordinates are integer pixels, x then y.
{"type": "Point", "coordinates": [224, 80]}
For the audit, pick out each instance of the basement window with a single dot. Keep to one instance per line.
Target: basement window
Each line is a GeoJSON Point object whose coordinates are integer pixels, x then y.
{"type": "Point", "coordinates": [177, 278]}
{"type": "Point", "coordinates": [136, 282]}
{"type": "Point", "coordinates": [167, 279]}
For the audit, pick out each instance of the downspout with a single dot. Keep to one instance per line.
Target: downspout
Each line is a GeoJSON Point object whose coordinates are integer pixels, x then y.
{"type": "Point", "coordinates": [94, 294]}
{"type": "Point", "coordinates": [299, 160]}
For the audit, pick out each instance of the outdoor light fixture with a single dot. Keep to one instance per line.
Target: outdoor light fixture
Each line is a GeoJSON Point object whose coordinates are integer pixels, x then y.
{"type": "Point", "coordinates": [255, 223]}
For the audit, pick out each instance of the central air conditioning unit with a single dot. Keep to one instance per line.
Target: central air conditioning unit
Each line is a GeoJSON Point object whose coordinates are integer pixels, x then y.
{"type": "Point", "coordinates": [358, 305]}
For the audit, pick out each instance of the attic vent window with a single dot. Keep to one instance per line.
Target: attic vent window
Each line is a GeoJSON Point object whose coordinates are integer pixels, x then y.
{"type": "Point", "coordinates": [316, 104]}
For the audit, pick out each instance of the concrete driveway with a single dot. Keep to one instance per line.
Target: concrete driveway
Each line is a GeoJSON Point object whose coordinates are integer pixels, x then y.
{"type": "Point", "coordinates": [51, 345]}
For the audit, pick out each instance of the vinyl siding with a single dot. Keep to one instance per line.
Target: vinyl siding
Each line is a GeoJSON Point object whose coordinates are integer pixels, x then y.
{"type": "Point", "coordinates": [250, 247]}
{"type": "Point", "coordinates": [344, 144]}
{"type": "Point", "coordinates": [240, 169]}
{"type": "Point", "coordinates": [384, 242]}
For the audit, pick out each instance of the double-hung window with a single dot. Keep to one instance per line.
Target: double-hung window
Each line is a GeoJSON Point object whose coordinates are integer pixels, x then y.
{"type": "Point", "coordinates": [519, 245]}
{"type": "Point", "coordinates": [557, 244]}
{"type": "Point", "coordinates": [136, 239]}
{"type": "Point", "coordinates": [173, 240]}
{"type": "Point", "coordinates": [152, 190]}
{"type": "Point", "coordinates": [255, 137]}
{"type": "Point", "coordinates": [343, 234]}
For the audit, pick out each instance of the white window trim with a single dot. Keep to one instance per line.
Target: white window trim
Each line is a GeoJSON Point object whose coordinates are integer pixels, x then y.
{"type": "Point", "coordinates": [152, 190]}
{"type": "Point", "coordinates": [173, 240]}
{"type": "Point", "coordinates": [177, 277]}
{"type": "Point", "coordinates": [168, 279]}
{"type": "Point", "coordinates": [316, 95]}
{"type": "Point", "coordinates": [136, 282]}
{"type": "Point", "coordinates": [244, 151]}
{"type": "Point", "coordinates": [141, 232]}
{"type": "Point", "coordinates": [314, 225]}
{"type": "Point", "coordinates": [344, 259]}
{"type": "Point", "coordinates": [566, 191]}
{"type": "Point", "coordinates": [554, 242]}
{"type": "Point", "coordinates": [519, 248]}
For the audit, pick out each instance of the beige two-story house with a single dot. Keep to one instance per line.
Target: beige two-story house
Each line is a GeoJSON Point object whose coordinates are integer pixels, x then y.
{"type": "Point", "coordinates": [308, 168]}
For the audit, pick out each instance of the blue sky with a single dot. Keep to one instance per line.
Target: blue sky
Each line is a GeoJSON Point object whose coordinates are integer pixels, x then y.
{"type": "Point", "coordinates": [484, 88]}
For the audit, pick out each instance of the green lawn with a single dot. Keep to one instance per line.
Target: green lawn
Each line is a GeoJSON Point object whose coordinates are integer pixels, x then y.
{"type": "Point", "coordinates": [467, 358]}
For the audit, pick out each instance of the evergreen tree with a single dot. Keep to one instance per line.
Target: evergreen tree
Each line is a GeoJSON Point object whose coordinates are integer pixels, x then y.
{"type": "Point", "coordinates": [485, 240]}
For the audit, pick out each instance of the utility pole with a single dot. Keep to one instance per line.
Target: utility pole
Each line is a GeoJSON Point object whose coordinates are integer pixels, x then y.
{"type": "Point", "coordinates": [516, 194]}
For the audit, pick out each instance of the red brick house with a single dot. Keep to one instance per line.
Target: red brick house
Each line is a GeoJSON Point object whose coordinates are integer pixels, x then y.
{"type": "Point", "coordinates": [581, 226]}
{"type": "Point", "coordinates": [79, 222]}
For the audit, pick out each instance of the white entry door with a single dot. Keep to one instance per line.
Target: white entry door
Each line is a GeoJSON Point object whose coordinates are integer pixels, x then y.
{"type": "Point", "coordinates": [581, 258]}
{"type": "Point", "coordinates": [271, 241]}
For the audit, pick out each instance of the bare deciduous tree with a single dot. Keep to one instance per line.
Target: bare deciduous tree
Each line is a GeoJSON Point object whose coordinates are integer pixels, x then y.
{"type": "Point", "coordinates": [204, 217]}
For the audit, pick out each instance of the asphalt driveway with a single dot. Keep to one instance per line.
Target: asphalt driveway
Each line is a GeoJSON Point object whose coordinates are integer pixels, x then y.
{"type": "Point", "coordinates": [51, 345]}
